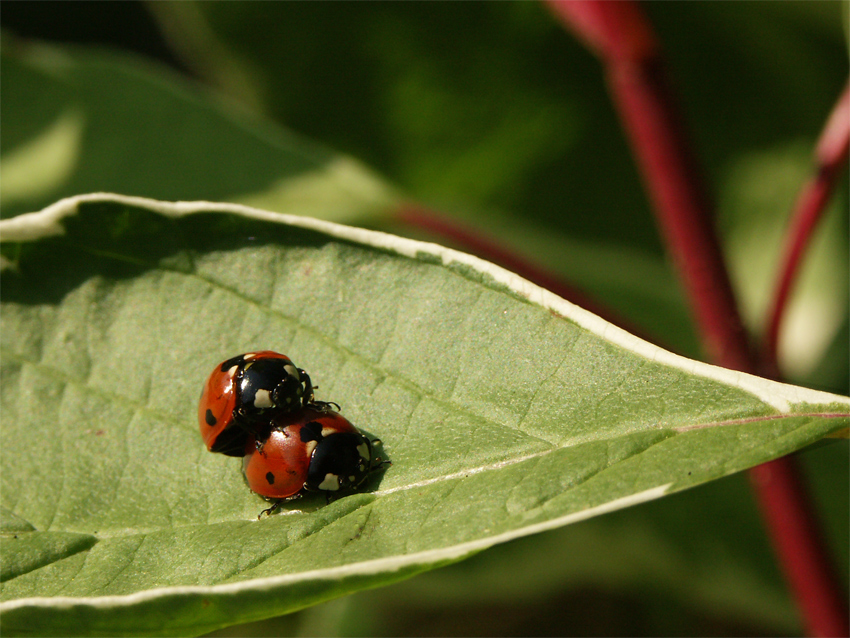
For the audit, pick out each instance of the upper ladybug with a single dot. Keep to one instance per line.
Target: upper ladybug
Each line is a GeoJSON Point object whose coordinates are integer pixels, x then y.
{"type": "Point", "coordinates": [242, 395]}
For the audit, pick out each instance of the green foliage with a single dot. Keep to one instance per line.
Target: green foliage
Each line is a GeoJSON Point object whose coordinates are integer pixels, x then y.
{"type": "Point", "coordinates": [491, 112]}
{"type": "Point", "coordinates": [505, 412]}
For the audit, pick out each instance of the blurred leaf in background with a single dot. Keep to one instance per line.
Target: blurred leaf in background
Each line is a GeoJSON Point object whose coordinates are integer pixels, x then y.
{"type": "Point", "coordinates": [492, 114]}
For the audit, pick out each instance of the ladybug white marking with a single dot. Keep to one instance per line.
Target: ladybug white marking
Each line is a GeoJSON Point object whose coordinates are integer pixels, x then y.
{"type": "Point", "coordinates": [331, 483]}
{"type": "Point", "coordinates": [263, 399]}
{"type": "Point", "coordinates": [363, 451]}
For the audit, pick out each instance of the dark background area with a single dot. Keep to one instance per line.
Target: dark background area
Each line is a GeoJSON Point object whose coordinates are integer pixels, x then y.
{"type": "Point", "coordinates": [126, 25]}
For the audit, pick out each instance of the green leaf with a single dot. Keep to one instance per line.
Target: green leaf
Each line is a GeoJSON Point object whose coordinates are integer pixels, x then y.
{"type": "Point", "coordinates": [86, 120]}
{"type": "Point", "coordinates": [92, 106]}
{"type": "Point", "coordinates": [505, 411]}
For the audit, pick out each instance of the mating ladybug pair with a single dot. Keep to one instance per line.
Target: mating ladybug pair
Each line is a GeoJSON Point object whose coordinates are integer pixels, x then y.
{"type": "Point", "coordinates": [260, 406]}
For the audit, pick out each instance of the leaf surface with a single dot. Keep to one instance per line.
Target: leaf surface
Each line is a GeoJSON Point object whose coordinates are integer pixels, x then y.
{"type": "Point", "coordinates": [505, 411]}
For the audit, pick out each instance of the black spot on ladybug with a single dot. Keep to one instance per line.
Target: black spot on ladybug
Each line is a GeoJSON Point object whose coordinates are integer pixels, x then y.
{"type": "Point", "coordinates": [311, 431]}
{"type": "Point", "coordinates": [270, 478]}
{"type": "Point", "coordinates": [210, 418]}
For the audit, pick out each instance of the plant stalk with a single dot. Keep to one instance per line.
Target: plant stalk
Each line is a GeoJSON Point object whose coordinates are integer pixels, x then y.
{"type": "Point", "coordinates": [797, 539]}
{"type": "Point", "coordinates": [830, 157]}
{"type": "Point", "coordinates": [621, 35]}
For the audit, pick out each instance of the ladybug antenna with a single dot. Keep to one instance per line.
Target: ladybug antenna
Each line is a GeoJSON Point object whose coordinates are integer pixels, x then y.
{"type": "Point", "coordinates": [324, 406]}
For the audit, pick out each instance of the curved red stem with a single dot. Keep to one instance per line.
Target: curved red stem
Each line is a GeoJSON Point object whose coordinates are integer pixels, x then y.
{"type": "Point", "coordinates": [830, 157]}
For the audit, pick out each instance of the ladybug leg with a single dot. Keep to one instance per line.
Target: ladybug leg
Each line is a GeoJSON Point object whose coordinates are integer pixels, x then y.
{"type": "Point", "coordinates": [270, 510]}
{"type": "Point", "coordinates": [240, 420]}
{"type": "Point", "coordinates": [261, 437]}
{"type": "Point", "coordinates": [308, 388]}
{"type": "Point", "coordinates": [378, 462]}
{"type": "Point", "coordinates": [250, 426]}
{"type": "Point", "coordinates": [309, 399]}
{"type": "Point", "coordinates": [276, 505]}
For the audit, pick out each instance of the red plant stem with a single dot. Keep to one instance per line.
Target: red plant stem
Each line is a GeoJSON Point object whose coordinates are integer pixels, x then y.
{"type": "Point", "coordinates": [623, 38]}
{"type": "Point", "coordinates": [475, 242]}
{"type": "Point", "coordinates": [830, 157]}
{"type": "Point", "coordinates": [785, 506]}
{"type": "Point", "coordinates": [638, 87]}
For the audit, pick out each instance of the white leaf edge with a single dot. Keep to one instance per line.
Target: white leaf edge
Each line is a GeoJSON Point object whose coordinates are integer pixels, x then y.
{"type": "Point", "coordinates": [780, 396]}
{"type": "Point", "coordinates": [363, 568]}
{"type": "Point", "coordinates": [47, 222]}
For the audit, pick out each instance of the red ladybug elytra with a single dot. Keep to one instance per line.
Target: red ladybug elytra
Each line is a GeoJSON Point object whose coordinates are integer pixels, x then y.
{"type": "Point", "coordinates": [312, 450]}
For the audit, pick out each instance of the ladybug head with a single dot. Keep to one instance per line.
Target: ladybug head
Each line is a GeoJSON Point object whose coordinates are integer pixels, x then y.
{"type": "Point", "coordinates": [273, 385]}
{"type": "Point", "coordinates": [340, 461]}
{"type": "Point", "coordinates": [293, 390]}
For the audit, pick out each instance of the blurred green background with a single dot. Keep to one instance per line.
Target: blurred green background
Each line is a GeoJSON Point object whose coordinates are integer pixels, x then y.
{"type": "Point", "coordinates": [493, 115]}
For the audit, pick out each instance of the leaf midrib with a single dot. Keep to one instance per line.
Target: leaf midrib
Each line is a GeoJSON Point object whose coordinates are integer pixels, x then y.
{"type": "Point", "coordinates": [380, 373]}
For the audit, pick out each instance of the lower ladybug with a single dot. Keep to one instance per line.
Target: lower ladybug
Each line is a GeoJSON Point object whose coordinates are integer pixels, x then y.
{"type": "Point", "coordinates": [316, 449]}
{"type": "Point", "coordinates": [244, 392]}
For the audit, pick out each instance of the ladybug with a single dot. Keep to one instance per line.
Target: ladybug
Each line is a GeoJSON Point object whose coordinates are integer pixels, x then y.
{"type": "Point", "coordinates": [316, 449]}
{"type": "Point", "coordinates": [244, 392]}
